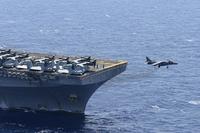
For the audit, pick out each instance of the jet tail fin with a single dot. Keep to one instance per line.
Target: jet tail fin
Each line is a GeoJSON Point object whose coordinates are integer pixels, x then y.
{"type": "Point", "coordinates": [148, 59]}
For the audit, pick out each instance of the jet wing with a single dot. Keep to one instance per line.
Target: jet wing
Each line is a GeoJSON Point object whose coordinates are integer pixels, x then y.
{"type": "Point", "coordinates": [157, 63]}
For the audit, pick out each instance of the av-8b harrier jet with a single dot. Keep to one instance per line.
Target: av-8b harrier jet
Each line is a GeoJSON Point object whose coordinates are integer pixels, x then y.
{"type": "Point", "coordinates": [159, 63]}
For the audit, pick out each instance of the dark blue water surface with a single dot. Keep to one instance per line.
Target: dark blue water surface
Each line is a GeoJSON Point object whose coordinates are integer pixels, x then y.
{"type": "Point", "coordinates": [143, 99]}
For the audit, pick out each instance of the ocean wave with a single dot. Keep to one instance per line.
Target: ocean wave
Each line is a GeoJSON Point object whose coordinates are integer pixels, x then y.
{"type": "Point", "coordinates": [156, 108]}
{"type": "Point", "coordinates": [194, 102]}
{"type": "Point", "coordinates": [107, 15]}
{"type": "Point", "coordinates": [45, 131]}
{"type": "Point", "coordinates": [189, 40]}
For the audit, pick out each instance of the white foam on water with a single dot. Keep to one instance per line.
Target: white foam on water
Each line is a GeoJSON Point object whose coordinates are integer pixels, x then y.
{"type": "Point", "coordinates": [194, 102]}
{"type": "Point", "coordinates": [156, 107]}
{"type": "Point", "coordinates": [56, 30]}
{"type": "Point", "coordinates": [107, 15]}
{"type": "Point", "coordinates": [44, 131]}
{"type": "Point", "coordinates": [45, 31]}
{"type": "Point", "coordinates": [189, 40]}
{"type": "Point", "coordinates": [41, 31]}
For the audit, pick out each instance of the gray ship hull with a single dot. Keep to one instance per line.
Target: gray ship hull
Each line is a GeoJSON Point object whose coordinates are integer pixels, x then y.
{"type": "Point", "coordinates": [69, 98]}
{"type": "Point", "coordinates": [70, 94]}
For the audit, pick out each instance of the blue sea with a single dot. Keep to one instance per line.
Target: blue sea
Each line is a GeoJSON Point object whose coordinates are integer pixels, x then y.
{"type": "Point", "coordinates": [143, 99]}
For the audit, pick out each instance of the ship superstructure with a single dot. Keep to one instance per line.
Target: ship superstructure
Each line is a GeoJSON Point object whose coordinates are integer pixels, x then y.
{"type": "Point", "coordinates": [54, 83]}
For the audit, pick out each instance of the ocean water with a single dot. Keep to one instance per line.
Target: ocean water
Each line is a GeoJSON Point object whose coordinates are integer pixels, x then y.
{"type": "Point", "coordinates": [143, 99]}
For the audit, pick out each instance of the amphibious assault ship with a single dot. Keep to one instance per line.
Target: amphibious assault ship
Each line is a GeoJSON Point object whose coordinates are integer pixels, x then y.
{"type": "Point", "coordinates": [34, 81]}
